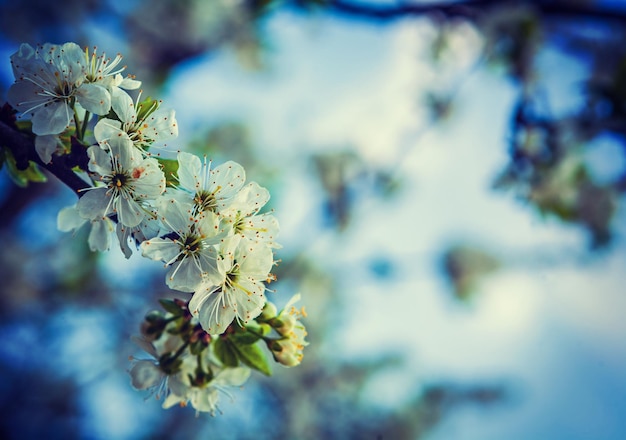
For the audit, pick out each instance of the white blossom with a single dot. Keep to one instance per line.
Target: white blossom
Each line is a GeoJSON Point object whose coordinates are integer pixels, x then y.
{"type": "Point", "coordinates": [205, 398]}
{"type": "Point", "coordinates": [145, 127]}
{"type": "Point", "coordinates": [190, 246]}
{"type": "Point", "coordinates": [208, 189]}
{"type": "Point", "coordinates": [48, 79]}
{"type": "Point", "coordinates": [288, 350]}
{"type": "Point", "coordinates": [130, 182]}
{"type": "Point", "coordinates": [106, 71]}
{"type": "Point", "coordinates": [150, 374]}
{"type": "Point", "coordinates": [241, 295]}
{"type": "Point", "coordinates": [101, 228]}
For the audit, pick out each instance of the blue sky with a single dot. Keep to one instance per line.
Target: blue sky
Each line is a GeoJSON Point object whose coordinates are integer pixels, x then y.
{"type": "Point", "coordinates": [555, 332]}
{"type": "Point", "coordinates": [552, 332]}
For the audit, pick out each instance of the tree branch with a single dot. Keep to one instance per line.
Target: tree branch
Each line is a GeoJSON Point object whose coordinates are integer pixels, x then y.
{"type": "Point", "coordinates": [23, 149]}
{"type": "Point", "coordinates": [470, 9]}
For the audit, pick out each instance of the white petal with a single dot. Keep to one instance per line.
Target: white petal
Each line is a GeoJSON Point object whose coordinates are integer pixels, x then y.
{"type": "Point", "coordinates": [145, 374]}
{"type": "Point", "coordinates": [249, 200]}
{"type": "Point", "coordinates": [93, 203]}
{"type": "Point", "coordinates": [24, 60]}
{"type": "Point", "coordinates": [162, 125]}
{"type": "Point", "coordinates": [146, 346]}
{"type": "Point", "coordinates": [205, 400]}
{"type": "Point", "coordinates": [129, 83]}
{"type": "Point", "coordinates": [212, 310]}
{"type": "Point", "coordinates": [106, 128]}
{"type": "Point", "coordinates": [162, 249]}
{"type": "Point", "coordinates": [173, 399]}
{"type": "Point", "coordinates": [129, 211]}
{"type": "Point", "coordinates": [249, 299]}
{"type": "Point", "coordinates": [69, 219]}
{"type": "Point", "coordinates": [258, 260]}
{"type": "Point", "coordinates": [175, 214]}
{"type": "Point", "coordinates": [99, 160]}
{"type": "Point", "coordinates": [123, 106]}
{"type": "Point", "coordinates": [149, 180]}
{"type": "Point", "coordinates": [24, 96]}
{"type": "Point", "coordinates": [46, 146]}
{"type": "Point", "coordinates": [227, 179]}
{"type": "Point", "coordinates": [189, 171]}
{"type": "Point", "coordinates": [100, 235]}
{"type": "Point", "coordinates": [184, 275]}
{"type": "Point", "coordinates": [52, 118]}
{"type": "Point", "coordinates": [127, 156]}
{"type": "Point", "coordinates": [94, 98]}
{"type": "Point", "coordinates": [232, 377]}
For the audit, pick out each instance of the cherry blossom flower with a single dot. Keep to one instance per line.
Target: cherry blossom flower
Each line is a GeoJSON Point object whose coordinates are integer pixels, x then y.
{"type": "Point", "coordinates": [189, 247]}
{"type": "Point", "coordinates": [208, 189]}
{"type": "Point", "coordinates": [106, 71]}
{"type": "Point", "coordinates": [160, 374]}
{"type": "Point", "coordinates": [70, 219]}
{"type": "Point", "coordinates": [205, 398]}
{"type": "Point", "coordinates": [241, 295]}
{"type": "Point", "coordinates": [145, 127]}
{"type": "Point", "coordinates": [130, 182]}
{"type": "Point", "coordinates": [288, 350]}
{"type": "Point", "coordinates": [49, 80]}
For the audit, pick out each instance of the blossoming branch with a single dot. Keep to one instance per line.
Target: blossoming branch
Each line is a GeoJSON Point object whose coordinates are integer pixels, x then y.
{"type": "Point", "coordinates": [204, 222]}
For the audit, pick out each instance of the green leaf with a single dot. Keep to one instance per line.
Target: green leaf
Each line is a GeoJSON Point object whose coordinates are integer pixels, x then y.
{"type": "Point", "coordinates": [225, 352]}
{"type": "Point", "coordinates": [197, 347]}
{"type": "Point", "coordinates": [244, 336]}
{"type": "Point", "coordinates": [254, 357]}
{"type": "Point", "coordinates": [170, 168]}
{"type": "Point", "coordinates": [170, 306]}
{"type": "Point", "coordinates": [146, 107]}
{"type": "Point", "coordinates": [22, 177]}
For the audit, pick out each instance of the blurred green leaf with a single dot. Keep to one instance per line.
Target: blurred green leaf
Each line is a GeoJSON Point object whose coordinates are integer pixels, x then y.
{"type": "Point", "coordinates": [253, 357]}
{"type": "Point", "coordinates": [225, 352]}
{"type": "Point", "coordinates": [21, 177]}
{"type": "Point", "coordinates": [170, 168]}
{"type": "Point", "coordinates": [170, 306]}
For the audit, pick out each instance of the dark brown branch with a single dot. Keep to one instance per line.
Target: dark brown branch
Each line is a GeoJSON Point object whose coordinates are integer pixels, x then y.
{"type": "Point", "coordinates": [471, 8]}
{"type": "Point", "coordinates": [23, 149]}
{"type": "Point", "coordinates": [402, 10]}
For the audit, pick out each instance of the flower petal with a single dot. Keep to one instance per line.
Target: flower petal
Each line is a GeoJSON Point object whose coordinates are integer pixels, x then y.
{"type": "Point", "coordinates": [162, 249]}
{"type": "Point", "coordinates": [145, 374]}
{"type": "Point", "coordinates": [94, 98]}
{"type": "Point", "coordinates": [52, 118]}
{"type": "Point", "coordinates": [212, 309]}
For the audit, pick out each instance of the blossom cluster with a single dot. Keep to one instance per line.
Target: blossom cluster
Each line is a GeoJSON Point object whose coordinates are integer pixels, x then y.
{"type": "Point", "coordinates": [203, 222]}
{"type": "Point", "coordinates": [187, 365]}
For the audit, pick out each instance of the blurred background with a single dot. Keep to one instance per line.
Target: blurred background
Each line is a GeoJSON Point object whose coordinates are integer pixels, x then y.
{"type": "Point", "coordinates": [449, 179]}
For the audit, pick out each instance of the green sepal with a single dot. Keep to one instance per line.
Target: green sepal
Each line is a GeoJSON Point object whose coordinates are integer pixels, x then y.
{"type": "Point", "coordinates": [225, 352]}
{"type": "Point", "coordinates": [21, 177]}
{"type": "Point", "coordinates": [170, 169]}
{"type": "Point", "coordinates": [170, 306]}
{"type": "Point", "coordinates": [197, 347]}
{"type": "Point", "coordinates": [245, 336]}
{"type": "Point", "coordinates": [146, 107]}
{"type": "Point", "coordinates": [253, 356]}
{"type": "Point", "coordinates": [170, 364]}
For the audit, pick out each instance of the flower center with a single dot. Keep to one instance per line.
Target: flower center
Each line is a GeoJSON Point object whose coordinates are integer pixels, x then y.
{"type": "Point", "coordinates": [233, 275]}
{"type": "Point", "coordinates": [205, 201]}
{"type": "Point", "coordinates": [192, 244]}
{"type": "Point", "coordinates": [118, 180]}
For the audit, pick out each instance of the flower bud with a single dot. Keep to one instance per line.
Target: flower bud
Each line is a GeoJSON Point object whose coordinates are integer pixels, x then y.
{"type": "Point", "coordinates": [284, 323]}
{"type": "Point", "coordinates": [269, 312]}
{"type": "Point", "coordinates": [286, 353]}
{"type": "Point", "coordinates": [153, 325]}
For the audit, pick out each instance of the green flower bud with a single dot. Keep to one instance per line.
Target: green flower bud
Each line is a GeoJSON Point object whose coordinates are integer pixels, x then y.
{"type": "Point", "coordinates": [153, 325]}
{"type": "Point", "coordinates": [269, 312]}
